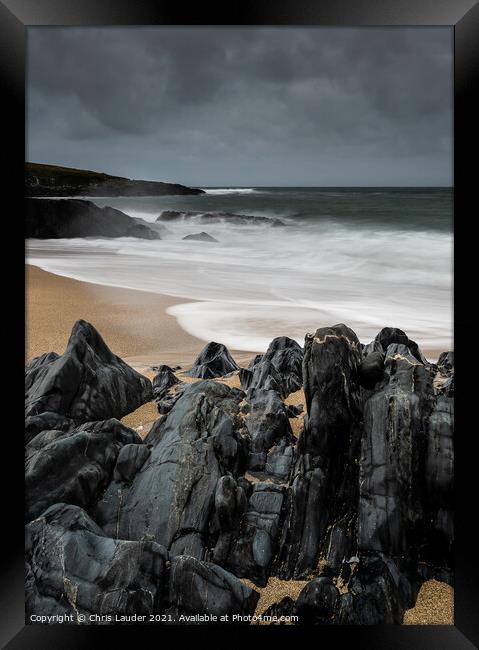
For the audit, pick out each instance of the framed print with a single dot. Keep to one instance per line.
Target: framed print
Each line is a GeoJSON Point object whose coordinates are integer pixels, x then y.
{"type": "Point", "coordinates": [247, 278]}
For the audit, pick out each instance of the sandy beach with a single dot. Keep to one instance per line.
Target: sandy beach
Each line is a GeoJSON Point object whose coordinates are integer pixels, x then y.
{"type": "Point", "coordinates": [133, 323]}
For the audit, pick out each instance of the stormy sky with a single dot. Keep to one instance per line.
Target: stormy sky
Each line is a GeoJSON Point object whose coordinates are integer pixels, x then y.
{"type": "Point", "coordinates": [244, 106]}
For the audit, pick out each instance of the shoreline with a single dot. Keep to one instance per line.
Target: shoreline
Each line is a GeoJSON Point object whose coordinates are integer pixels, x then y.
{"type": "Point", "coordinates": [133, 323]}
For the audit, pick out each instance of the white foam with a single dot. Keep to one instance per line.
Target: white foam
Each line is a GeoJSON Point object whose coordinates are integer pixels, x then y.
{"type": "Point", "coordinates": [229, 190]}
{"type": "Point", "coordinates": [260, 282]}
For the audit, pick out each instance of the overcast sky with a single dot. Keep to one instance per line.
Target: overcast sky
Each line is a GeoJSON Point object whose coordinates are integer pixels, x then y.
{"type": "Point", "coordinates": [244, 106]}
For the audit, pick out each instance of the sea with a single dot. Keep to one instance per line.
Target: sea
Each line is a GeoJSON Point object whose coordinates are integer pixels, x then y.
{"type": "Point", "coordinates": [366, 257]}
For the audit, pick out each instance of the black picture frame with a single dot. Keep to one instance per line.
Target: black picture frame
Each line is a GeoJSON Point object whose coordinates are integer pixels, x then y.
{"type": "Point", "coordinates": [463, 17]}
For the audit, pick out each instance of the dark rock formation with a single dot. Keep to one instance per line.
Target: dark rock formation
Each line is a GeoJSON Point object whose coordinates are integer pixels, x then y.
{"type": "Point", "coordinates": [200, 236]}
{"type": "Point", "coordinates": [279, 368]}
{"type": "Point", "coordinates": [163, 380]}
{"type": "Point", "coordinates": [378, 593]}
{"type": "Point", "coordinates": [36, 362]}
{"type": "Point", "coordinates": [48, 421]}
{"type": "Point", "coordinates": [371, 370]}
{"type": "Point", "coordinates": [316, 604]}
{"type": "Point", "coordinates": [365, 494]}
{"type": "Point", "coordinates": [293, 410]}
{"type": "Point", "coordinates": [324, 483]}
{"type": "Point", "coordinates": [266, 423]}
{"type": "Point", "coordinates": [390, 335]}
{"type": "Point", "coordinates": [279, 459]}
{"type": "Point", "coordinates": [59, 218]}
{"type": "Point", "coordinates": [72, 567]}
{"type": "Point", "coordinates": [253, 547]}
{"type": "Point", "coordinates": [214, 360]}
{"type": "Point", "coordinates": [392, 447]}
{"type": "Point", "coordinates": [171, 500]}
{"type": "Point", "coordinates": [218, 217]}
{"type": "Point", "coordinates": [73, 467]}
{"type": "Point", "coordinates": [203, 588]}
{"type": "Point", "coordinates": [51, 180]}
{"type": "Point", "coordinates": [439, 489]}
{"type": "Point", "coordinates": [88, 382]}
{"type": "Point", "coordinates": [263, 376]}
{"type": "Point", "coordinates": [445, 363]}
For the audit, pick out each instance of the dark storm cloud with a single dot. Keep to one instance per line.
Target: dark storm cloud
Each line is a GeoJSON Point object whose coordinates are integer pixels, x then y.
{"type": "Point", "coordinates": [216, 106]}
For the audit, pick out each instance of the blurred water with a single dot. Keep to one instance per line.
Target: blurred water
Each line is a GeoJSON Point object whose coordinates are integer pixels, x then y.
{"type": "Point", "coordinates": [366, 257]}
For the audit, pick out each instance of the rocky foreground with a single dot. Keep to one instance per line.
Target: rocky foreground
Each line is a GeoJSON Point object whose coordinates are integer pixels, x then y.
{"type": "Point", "coordinates": [222, 496]}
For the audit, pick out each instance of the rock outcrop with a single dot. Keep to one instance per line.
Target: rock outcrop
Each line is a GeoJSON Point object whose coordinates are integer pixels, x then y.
{"type": "Point", "coordinates": [214, 360]}
{"type": "Point", "coordinates": [203, 588]}
{"type": "Point", "coordinates": [62, 218]}
{"type": "Point", "coordinates": [267, 424]}
{"type": "Point", "coordinates": [200, 236]}
{"type": "Point", "coordinates": [279, 368]}
{"type": "Point", "coordinates": [360, 505]}
{"type": "Point", "coordinates": [218, 217]}
{"type": "Point", "coordinates": [73, 467]}
{"type": "Point", "coordinates": [88, 382]}
{"type": "Point", "coordinates": [163, 381]}
{"type": "Point", "coordinates": [324, 481]}
{"type": "Point", "coordinates": [72, 567]}
{"type": "Point", "coordinates": [171, 498]}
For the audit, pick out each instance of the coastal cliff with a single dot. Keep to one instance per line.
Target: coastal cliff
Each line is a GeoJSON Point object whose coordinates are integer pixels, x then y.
{"type": "Point", "coordinates": [52, 180]}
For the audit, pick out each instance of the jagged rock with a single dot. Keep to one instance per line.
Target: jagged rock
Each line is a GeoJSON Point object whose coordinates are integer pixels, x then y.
{"type": "Point", "coordinates": [72, 467]}
{"type": "Point", "coordinates": [74, 568]}
{"type": "Point", "coordinates": [293, 410]}
{"type": "Point", "coordinates": [340, 544]}
{"type": "Point", "coordinates": [253, 547]}
{"type": "Point", "coordinates": [279, 368]}
{"type": "Point", "coordinates": [200, 236]}
{"type": "Point", "coordinates": [447, 388]}
{"type": "Point", "coordinates": [371, 370]}
{"type": "Point", "coordinates": [36, 362]}
{"type": "Point", "coordinates": [439, 488]}
{"type": "Point", "coordinates": [317, 602]}
{"type": "Point", "coordinates": [392, 335]}
{"type": "Point", "coordinates": [231, 502]}
{"type": "Point", "coordinates": [171, 500]}
{"type": "Point", "coordinates": [217, 217]}
{"type": "Point", "coordinates": [286, 355]}
{"type": "Point", "coordinates": [60, 218]}
{"type": "Point", "coordinates": [445, 363]}
{"type": "Point", "coordinates": [391, 451]}
{"type": "Point", "coordinates": [163, 380]}
{"type": "Point", "coordinates": [88, 382]}
{"type": "Point", "coordinates": [48, 421]}
{"type": "Point", "coordinates": [214, 360]}
{"type": "Point", "coordinates": [324, 480]}
{"type": "Point", "coordinates": [262, 376]}
{"type": "Point", "coordinates": [266, 422]}
{"type": "Point", "coordinates": [279, 459]}
{"type": "Point", "coordinates": [377, 594]}
{"type": "Point", "coordinates": [130, 460]}
{"type": "Point", "coordinates": [203, 588]}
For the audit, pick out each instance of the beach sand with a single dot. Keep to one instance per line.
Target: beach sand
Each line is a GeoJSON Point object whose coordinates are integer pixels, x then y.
{"type": "Point", "coordinates": [134, 325]}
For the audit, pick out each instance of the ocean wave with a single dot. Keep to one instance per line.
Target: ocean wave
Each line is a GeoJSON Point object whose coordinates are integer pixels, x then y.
{"type": "Point", "coordinates": [230, 190]}
{"type": "Point", "coordinates": [258, 283]}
